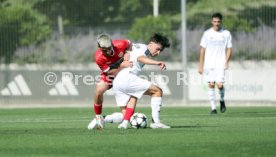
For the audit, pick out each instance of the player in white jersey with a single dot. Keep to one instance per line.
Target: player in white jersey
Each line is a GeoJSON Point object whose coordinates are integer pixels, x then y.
{"type": "Point", "coordinates": [215, 52]}
{"type": "Point", "coordinates": [128, 85]}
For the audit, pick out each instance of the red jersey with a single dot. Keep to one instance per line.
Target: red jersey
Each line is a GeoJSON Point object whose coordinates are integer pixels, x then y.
{"type": "Point", "coordinates": [119, 46]}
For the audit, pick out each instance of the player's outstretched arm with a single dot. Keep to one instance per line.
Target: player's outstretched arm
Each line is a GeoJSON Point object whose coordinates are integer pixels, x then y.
{"type": "Point", "coordinates": [146, 60]}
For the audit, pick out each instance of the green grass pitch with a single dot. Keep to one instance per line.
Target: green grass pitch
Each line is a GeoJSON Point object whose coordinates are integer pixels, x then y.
{"type": "Point", "coordinates": [62, 132]}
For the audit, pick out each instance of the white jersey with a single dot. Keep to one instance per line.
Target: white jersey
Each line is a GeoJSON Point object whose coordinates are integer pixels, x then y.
{"type": "Point", "coordinates": [215, 44]}
{"type": "Point", "coordinates": [137, 50]}
{"type": "Point", "coordinates": [127, 83]}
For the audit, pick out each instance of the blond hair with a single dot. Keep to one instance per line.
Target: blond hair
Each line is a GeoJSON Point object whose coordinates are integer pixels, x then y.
{"type": "Point", "coordinates": [104, 40]}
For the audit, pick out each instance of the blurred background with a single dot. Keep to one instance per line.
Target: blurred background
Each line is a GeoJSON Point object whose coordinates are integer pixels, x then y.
{"type": "Point", "coordinates": [38, 36]}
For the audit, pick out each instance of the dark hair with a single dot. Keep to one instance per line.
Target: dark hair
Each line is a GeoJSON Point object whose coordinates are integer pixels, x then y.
{"type": "Point", "coordinates": [160, 39]}
{"type": "Point", "coordinates": [217, 15]}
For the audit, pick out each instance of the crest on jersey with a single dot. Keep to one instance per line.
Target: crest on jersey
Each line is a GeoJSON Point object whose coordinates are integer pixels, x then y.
{"type": "Point", "coordinates": [120, 54]}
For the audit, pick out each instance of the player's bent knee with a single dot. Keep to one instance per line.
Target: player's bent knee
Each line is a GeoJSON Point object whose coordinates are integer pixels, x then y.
{"type": "Point", "coordinates": [100, 91]}
{"type": "Point", "coordinates": [157, 91]}
{"type": "Point", "coordinates": [101, 88]}
{"type": "Point", "coordinates": [211, 85]}
{"type": "Point", "coordinates": [99, 95]}
{"type": "Point", "coordinates": [220, 85]}
{"type": "Point", "coordinates": [160, 91]}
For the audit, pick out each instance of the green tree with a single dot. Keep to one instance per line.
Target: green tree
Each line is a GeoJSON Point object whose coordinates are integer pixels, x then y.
{"type": "Point", "coordinates": [143, 28]}
{"type": "Point", "coordinates": [20, 26]}
{"type": "Point", "coordinates": [240, 15]}
{"type": "Point", "coordinates": [91, 13]}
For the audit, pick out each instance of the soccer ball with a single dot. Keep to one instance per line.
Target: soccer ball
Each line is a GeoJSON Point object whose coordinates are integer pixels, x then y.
{"type": "Point", "coordinates": [138, 120]}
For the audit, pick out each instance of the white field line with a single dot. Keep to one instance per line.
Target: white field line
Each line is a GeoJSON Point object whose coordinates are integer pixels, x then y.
{"type": "Point", "coordinates": [87, 119]}
{"type": "Point", "coordinates": [45, 120]}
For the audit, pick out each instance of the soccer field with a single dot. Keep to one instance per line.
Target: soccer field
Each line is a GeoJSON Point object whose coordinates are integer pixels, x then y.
{"type": "Point", "coordinates": [241, 131]}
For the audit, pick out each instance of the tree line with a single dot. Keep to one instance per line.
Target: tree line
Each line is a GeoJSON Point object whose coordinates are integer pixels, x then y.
{"type": "Point", "coordinates": [30, 22]}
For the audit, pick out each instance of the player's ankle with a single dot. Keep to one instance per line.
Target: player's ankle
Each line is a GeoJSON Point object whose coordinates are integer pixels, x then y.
{"type": "Point", "coordinates": [125, 121]}
{"type": "Point", "coordinates": [98, 116]}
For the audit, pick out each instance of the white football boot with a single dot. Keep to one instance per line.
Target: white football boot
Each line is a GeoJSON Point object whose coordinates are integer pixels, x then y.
{"type": "Point", "coordinates": [123, 125]}
{"type": "Point", "coordinates": [159, 126]}
{"type": "Point", "coordinates": [99, 122]}
{"type": "Point", "coordinates": [92, 124]}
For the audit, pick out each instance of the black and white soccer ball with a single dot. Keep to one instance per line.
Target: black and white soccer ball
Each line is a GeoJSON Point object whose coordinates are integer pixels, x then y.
{"type": "Point", "coordinates": [138, 120]}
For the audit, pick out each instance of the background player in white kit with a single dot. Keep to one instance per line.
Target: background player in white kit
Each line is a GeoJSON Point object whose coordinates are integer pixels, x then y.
{"type": "Point", "coordinates": [215, 52]}
{"type": "Point", "coordinates": [128, 85]}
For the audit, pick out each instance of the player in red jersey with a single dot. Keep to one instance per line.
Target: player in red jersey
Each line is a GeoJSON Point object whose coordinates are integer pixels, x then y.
{"type": "Point", "coordinates": [110, 57]}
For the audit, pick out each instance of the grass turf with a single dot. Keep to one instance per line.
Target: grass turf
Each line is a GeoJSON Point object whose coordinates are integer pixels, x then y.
{"type": "Point", "coordinates": [248, 131]}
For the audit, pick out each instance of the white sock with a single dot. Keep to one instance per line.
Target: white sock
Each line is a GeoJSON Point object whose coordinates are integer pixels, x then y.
{"type": "Point", "coordinates": [156, 103]}
{"type": "Point", "coordinates": [221, 93]}
{"type": "Point", "coordinates": [211, 94]}
{"type": "Point", "coordinates": [116, 117]}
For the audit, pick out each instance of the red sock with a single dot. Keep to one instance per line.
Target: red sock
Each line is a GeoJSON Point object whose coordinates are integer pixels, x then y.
{"type": "Point", "coordinates": [98, 108]}
{"type": "Point", "coordinates": [129, 113]}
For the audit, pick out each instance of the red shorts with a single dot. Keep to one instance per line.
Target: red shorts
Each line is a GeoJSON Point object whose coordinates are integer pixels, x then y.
{"type": "Point", "coordinates": [107, 79]}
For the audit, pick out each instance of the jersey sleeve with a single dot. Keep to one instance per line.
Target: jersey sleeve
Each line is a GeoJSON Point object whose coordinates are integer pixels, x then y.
{"type": "Point", "coordinates": [101, 62]}
{"type": "Point", "coordinates": [203, 42]}
{"type": "Point", "coordinates": [127, 44]}
{"type": "Point", "coordinates": [104, 67]}
{"type": "Point", "coordinates": [139, 50]}
{"type": "Point", "coordinates": [229, 41]}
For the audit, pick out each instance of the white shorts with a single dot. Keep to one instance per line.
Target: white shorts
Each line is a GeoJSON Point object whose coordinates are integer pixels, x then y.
{"type": "Point", "coordinates": [126, 85]}
{"type": "Point", "coordinates": [214, 75]}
